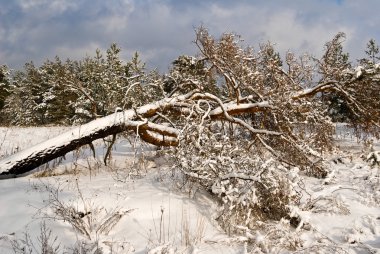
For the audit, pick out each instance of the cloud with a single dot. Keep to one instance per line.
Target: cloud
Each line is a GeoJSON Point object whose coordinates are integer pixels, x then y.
{"type": "Point", "coordinates": [161, 30]}
{"type": "Point", "coordinates": [291, 34]}
{"type": "Point", "coordinates": [46, 8]}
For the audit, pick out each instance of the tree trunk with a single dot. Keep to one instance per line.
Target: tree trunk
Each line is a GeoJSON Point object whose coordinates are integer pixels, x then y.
{"type": "Point", "coordinates": [33, 157]}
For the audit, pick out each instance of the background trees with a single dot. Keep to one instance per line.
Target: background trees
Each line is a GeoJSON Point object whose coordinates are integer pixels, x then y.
{"type": "Point", "coordinates": [75, 91]}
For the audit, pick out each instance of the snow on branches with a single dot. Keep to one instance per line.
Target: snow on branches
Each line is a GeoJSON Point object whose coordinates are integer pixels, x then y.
{"type": "Point", "coordinates": [250, 184]}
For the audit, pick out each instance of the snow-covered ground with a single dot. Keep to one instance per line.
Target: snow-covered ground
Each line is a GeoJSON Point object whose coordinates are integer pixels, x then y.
{"type": "Point", "coordinates": [134, 206]}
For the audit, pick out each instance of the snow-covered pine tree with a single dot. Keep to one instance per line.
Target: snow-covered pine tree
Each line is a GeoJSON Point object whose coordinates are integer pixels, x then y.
{"type": "Point", "coordinates": [355, 89]}
{"type": "Point", "coordinates": [4, 89]}
{"type": "Point", "coordinates": [372, 53]}
{"type": "Point", "coordinates": [24, 105]}
{"type": "Point", "coordinates": [57, 97]}
{"type": "Point", "coordinates": [104, 84]}
{"type": "Point", "coordinates": [335, 58]}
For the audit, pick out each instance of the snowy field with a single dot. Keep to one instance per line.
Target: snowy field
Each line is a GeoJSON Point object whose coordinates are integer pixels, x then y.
{"type": "Point", "coordinates": [136, 204]}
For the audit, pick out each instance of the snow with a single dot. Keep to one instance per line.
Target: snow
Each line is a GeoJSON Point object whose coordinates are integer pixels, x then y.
{"type": "Point", "coordinates": [359, 71]}
{"type": "Point", "coordinates": [240, 107]}
{"type": "Point", "coordinates": [158, 211]}
{"type": "Point", "coordinates": [139, 229]}
{"type": "Point", "coordinates": [341, 211]}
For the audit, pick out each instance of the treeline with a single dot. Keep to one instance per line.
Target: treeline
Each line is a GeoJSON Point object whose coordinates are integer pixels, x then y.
{"type": "Point", "coordinates": [73, 92]}
{"type": "Point", "coordinates": [69, 92]}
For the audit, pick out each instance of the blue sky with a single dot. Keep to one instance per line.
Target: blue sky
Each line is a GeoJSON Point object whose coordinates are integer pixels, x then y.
{"type": "Point", "coordinates": [160, 30]}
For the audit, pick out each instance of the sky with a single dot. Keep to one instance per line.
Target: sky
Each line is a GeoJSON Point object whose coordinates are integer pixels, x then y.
{"type": "Point", "coordinates": [161, 30]}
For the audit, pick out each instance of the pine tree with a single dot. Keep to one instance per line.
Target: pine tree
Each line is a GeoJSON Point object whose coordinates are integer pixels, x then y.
{"type": "Point", "coordinates": [57, 97]}
{"type": "Point", "coordinates": [26, 102]}
{"type": "Point", "coordinates": [372, 53]}
{"type": "Point", "coordinates": [336, 61]}
{"type": "Point", "coordinates": [187, 73]}
{"type": "Point", "coordinates": [4, 89]}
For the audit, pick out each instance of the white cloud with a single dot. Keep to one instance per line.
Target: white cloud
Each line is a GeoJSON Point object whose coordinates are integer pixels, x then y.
{"type": "Point", "coordinates": [163, 29]}
{"type": "Point", "coordinates": [282, 26]}
{"type": "Point", "coordinates": [288, 33]}
{"type": "Point", "coordinates": [72, 53]}
{"type": "Point", "coordinates": [121, 7]}
{"type": "Point", "coordinates": [47, 6]}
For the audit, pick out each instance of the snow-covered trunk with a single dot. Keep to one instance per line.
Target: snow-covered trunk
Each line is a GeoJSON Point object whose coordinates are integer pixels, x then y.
{"type": "Point", "coordinates": [136, 120]}
{"type": "Point", "coordinates": [36, 156]}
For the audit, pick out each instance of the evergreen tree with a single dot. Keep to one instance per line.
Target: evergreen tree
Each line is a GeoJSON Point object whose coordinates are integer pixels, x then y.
{"type": "Point", "coordinates": [188, 73]}
{"type": "Point", "coordinates": [57, 97]}
{"type": "Point", "coordinates": [372, 53]}
{"type": "Point", "coordinates": [87, 85]}
{"type": "Point", "coordinates": [25, 105]}
{"type": "Point", "coordinates": [140, 87]}
{"type": "Point", "coordinates": [100, 83]}
{"type": "Point", "coordinates": [4, 89]}
{"type": "Point", "coordinates": [336, 61]}
{"type": "Point", "coordinates": [4, 84]}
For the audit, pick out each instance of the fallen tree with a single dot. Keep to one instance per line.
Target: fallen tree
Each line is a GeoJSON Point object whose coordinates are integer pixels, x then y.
{"type": "Point", "coordinates": [277, 111]}
{"type": "Point", "coordinates": [133, 119]}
